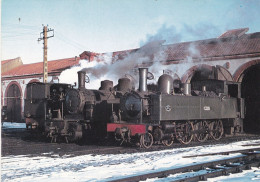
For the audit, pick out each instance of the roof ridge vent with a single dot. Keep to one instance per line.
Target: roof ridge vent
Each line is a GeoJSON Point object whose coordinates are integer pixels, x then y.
{"type": "Point", "coordinates": [235, 33]}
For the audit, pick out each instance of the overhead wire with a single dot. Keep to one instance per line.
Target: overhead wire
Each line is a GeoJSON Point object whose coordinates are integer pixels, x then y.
{"type": "Point", "coordinates": [13, 32]}
{"type": "Point", "coordinates": [70, 42]}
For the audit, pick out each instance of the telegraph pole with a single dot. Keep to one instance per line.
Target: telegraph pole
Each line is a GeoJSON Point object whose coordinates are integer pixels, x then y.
{"type": "Point", "coordinates": [44, 37]}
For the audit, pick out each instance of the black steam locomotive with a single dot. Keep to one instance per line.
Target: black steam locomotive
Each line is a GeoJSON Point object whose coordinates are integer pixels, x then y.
{"type": "Point", "coordinates": [198, 110]}
{"type": "Point", "coordinates": [59, 110]}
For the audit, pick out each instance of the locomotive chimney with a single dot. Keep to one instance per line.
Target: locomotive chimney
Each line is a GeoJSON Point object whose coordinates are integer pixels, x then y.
{"type": "Point", "coordinates": [143, 79]}
{"type": "Point", "coordinates": [81, 79]}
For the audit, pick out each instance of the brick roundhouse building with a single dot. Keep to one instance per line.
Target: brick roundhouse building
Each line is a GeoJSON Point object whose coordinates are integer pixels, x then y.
{"type": "Point", "coordinates": [233, 56]}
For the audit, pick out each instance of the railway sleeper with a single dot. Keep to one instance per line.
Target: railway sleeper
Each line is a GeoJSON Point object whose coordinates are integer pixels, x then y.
{"type": "Point", "coordinates": [244, 163]}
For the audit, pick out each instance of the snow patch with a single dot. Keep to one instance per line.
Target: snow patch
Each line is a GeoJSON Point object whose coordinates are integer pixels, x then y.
{"type": "Point", "coordinates": [13, 125]}
{"type": "Point", "coordinates": [111, 167]}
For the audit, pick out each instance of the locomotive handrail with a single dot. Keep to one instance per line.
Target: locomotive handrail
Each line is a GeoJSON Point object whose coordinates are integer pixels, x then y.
{"type": "Point", "coordinates": [150, 76]}
{"type": "Point", "coordinates": [87, 79]}
{"type": "Point", "coordinates": [141, 116]}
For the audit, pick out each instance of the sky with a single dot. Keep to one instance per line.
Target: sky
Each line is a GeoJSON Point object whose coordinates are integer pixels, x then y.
{"type": "Point", "coordinates": [114, 25]}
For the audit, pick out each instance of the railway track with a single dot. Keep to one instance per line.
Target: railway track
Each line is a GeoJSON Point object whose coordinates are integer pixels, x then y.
{"type": "Point", "coordinates": [249, 158]}
{"type": "Point", "coordinates": [21, 142]}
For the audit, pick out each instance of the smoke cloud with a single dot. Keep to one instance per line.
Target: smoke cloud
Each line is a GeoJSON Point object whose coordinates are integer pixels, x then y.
{"type": "Point", "coordinates": [152, 54]}
{"type": "Point", "coordinates": [186, 33]}
{"type": "Point", "coordinates": [113, 70]}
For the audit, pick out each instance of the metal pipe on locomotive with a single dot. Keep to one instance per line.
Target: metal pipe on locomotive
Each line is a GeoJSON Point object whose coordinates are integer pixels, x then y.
{"type": "Point", "coordinates": [199, 110]}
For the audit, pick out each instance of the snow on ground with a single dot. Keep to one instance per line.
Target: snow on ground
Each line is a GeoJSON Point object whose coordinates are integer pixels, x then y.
{"type": "Point", "coordinates": [111, 167]}
{"type": "Point", "coordinates": [13, 125]}
{"type": "Point", "coordinates": [245, 176]}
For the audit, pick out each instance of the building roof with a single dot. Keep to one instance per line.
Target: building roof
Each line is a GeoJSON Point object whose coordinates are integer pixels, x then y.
{"type": "Point", "coordinates": [37, 68]}
{"type": "Point", "coordinates": [9, 60]}
{"type": "Point", "coordinates": [231, 44]}
{"type": "Point", "coordinates": [219, 47]}
{"type": "Point", "coordinates": [234, 33]}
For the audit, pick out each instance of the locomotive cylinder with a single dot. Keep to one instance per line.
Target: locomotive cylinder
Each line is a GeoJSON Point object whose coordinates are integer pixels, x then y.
{"type": "Point", "coordinates": [168, 128]}
{"type": "Point", "coordinates": [165, 84]}
{"type": "Point", "coordinates": [81, 79]}
{"type": "Point", "coordinates": [143, 79]}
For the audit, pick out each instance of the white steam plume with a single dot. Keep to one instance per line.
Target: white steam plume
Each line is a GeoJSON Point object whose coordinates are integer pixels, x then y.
{"type": "Point", "coordinates": [70, 76]}
{"type": "Point", "coordinates": [107, 69]}
{"type": "Point", "coordinates": [153, 55]}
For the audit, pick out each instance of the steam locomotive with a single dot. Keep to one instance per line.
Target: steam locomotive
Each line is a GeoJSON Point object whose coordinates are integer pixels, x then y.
{"type": "Point", "coordinates": [170, 111]}
{"type": "Point", "coordinates": [59, 110]}
{"type": "Point", "coordinates": [198, 110]}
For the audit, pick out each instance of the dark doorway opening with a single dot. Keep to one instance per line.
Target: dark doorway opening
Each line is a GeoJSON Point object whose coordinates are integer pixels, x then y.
{"type": "Point", "coordinates": [202, 74]}
{"type": "Point", "coordinates": [251, 93]}
{"type": "Point", "coordinates": [14, 104]}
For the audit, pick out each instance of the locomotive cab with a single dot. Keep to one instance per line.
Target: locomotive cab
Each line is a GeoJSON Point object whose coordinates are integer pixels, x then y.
{"type": "Point", "coordinates": [43, 101]}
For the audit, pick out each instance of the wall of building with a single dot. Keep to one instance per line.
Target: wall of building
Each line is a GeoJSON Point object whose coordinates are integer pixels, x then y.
{"type": "Point", "coordinates": [11, 64]}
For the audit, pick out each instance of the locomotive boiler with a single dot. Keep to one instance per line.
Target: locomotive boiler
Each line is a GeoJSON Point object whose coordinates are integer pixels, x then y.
{"type": "Point", "coordinates": [199, 110]}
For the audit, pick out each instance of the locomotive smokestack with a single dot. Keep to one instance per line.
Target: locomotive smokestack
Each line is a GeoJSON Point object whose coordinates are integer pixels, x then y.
{"type": "Point", "coordinates": [81, 79]}
{"type": "Point", "coordinates": [143, 79]}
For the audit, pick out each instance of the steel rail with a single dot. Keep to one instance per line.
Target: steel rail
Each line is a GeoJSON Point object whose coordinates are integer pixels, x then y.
{"type": "Point", "coordinates": [225, 153]}
{"type": "Point", "coordinates": [164, 173]}
{"type": "Point", "coordinates": [220, 172]}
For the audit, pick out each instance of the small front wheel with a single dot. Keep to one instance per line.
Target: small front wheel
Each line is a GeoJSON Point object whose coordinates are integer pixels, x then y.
{"type": "Point", "coordinates": [167, 143]}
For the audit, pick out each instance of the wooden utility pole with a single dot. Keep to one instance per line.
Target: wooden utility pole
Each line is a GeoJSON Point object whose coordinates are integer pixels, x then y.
{"type": "Point", "coordinates": [44, 37]}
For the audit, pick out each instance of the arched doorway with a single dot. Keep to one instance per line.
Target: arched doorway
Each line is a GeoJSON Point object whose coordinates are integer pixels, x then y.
{"type": "Point", "coordinates": [196, 72]}
{"type": "Point", "coordinates": [251, 92]}
{"type": "Point", "coordinates": [203, 72]}
{"type": "Point", "coordinates": [13, 102]}
{"type": "Point", "coordinates": [31, 81]}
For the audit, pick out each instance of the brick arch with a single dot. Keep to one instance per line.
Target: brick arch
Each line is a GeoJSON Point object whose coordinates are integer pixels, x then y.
{"type": "Point", "coordinates": [11, 83]}
{"type": "Point", "coordinates": [186, 78]}
{"type": "Point", "coordinates": [31, 81]}
{"type": "Point", "coordinates": [239, 74]}
{"type": "Point", "coordinates": [248, 74]}
{"type": "Point", "coordinates": [224, 73]}
{"type": "Point", "coordinates": [34, 80]}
